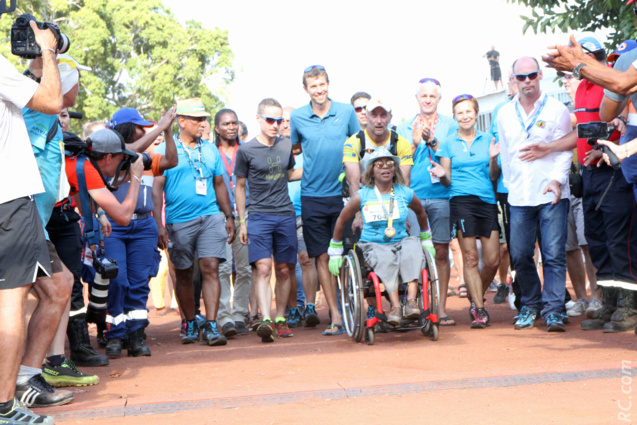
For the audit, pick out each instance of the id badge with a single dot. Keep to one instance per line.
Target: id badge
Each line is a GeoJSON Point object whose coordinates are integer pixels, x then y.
{"type": "Point", "coordinates": [434, 179]}
{"type": "Point", "coordinates": [202, 187]}
{"type": "Point", "coordinates": [88, 255]}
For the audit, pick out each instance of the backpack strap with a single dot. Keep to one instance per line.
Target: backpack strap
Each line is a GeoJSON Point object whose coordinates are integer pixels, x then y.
{"type": "Point", "coordinates": [361, 148]}
{"type": "Point", "coordinates": [85, 200]}
{"type": "Point", "coordinates": [53, 130]}
{"type": "Point", "coordinates": [393, 143]}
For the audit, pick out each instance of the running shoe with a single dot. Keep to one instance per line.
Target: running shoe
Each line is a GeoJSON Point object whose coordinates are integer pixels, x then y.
{"type": "Point", "coordinates": [191, 334]}
{"type": "Point", "coordinates": [254, 322]}
{"type": "Point", "coordinates": [241, 328]}
{"type": "Point", "coordinates": [481, 320]}
{"type": "Point", "coordinates": [201, 320]}
{"type": "Point", "coordinates": [67, 375]}
{"type": "Point", "coordinates": [593, 306]}
{"type": "Point", "coordinates": [311, 317]}
{"type": "Point", "coordinates": [229, 329]}
{"type": "Point", "coordinates": [501, 294]}
{"type": "Point", "coordinates": [565, 319]}
{"type": "Point", "coordinates": [265, 331]}
{"type": "Point", "coordinates": [526, 319]}
{"type": "Point", "coordinates": [472, 311]}
{"type": "Point", "coordinates": [282, 329]}
{"type": "Point", "coordinates": [21, 415]}
{"type": "Point", "coordinates": [210, 335]}
{"type": "Point", "coordinates": [295, 319]}
{"type": "Point", "coordinates": [182, 327]}
{"type": "Point", "coordinates": [554, 323]}
{"type": "Point", "coordinates": [39, 393]}
{"type": "Point", "coordinates": [493, 287]}
{"type": "Point", "coordinates": [578, 309]}
{"type": "Point", "coordinates": [512, 299]}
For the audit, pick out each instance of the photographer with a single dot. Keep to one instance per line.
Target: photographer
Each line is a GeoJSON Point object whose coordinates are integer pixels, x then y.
{"type": "Point", "coordinates": [23, 249]}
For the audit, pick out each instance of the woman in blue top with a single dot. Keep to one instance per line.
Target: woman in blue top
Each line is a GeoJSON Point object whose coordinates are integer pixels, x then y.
{"type": "Point", "coordinates": [387, 247]}
{"type": "Point", "coordinates": [464, 167]}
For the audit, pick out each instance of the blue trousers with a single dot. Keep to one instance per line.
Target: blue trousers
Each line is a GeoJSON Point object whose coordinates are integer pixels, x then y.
{"type": "Point", "coordinates": [134, 247]}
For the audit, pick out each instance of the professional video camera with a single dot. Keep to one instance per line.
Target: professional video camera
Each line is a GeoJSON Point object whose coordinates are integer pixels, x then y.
{"type": "Point", "coordinates": [594, 131]}
{"type": "Point", "coordinates": [23, 39]}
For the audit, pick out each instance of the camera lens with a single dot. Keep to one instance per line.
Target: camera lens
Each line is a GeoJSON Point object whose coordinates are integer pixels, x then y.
{"type": "Point", "coordinates": [63, 44]}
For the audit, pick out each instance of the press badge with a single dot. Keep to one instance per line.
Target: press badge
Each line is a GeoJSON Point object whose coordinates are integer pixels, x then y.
{"type": "Point", "coordinates": [434, 179]}
{"type": "Point", "coordinates": [202, 187]}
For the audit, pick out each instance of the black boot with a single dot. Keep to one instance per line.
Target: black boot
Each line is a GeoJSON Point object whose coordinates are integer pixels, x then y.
{"type": "Point", "coordinates": [625, 317]}
{"type": "Point", "coordinates": [137, 344]}
{"type": "Point", "coordinates": [114, 348]}
{"type": "Point", "coordinates": [603, 315]}
{"type": "Point", "coordinates": [82, 353]}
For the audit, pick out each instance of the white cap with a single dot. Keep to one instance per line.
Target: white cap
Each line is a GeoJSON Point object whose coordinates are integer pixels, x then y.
{"type": "Point", "coordinates": [69, 71]}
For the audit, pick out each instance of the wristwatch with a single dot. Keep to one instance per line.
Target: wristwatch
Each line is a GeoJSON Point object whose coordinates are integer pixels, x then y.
{"type": "Point", "coordinates": [576, 71]}
{"type": "Point", "coordinates": [29, 74]}
{"type": "Point", "coordinates": [229, 216]}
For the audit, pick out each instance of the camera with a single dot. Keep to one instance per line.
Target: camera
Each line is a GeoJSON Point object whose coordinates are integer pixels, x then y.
{"type": "Point", "coordinates": [23, 39]}
{"type": "Point", "coordinates": [106, 269]}
{"type": "Point", "coordinates": [595, 130]}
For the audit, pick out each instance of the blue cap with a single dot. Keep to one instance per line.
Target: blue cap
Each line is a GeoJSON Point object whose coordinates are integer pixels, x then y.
{"type": "Point", "coordinates": [590, 44]}
{"type": "Point", "coordinates": [626, 46]}
{"type": "Point", "coordinates": [125, 115]}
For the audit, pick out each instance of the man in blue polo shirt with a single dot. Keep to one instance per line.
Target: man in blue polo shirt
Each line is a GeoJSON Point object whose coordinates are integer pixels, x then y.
{"type": "Point", "coordinates": [425, 132]}
{"type": "Point", "coordinates": [195, 193]}
{"type": "Point", "coordinates": [321, 127]}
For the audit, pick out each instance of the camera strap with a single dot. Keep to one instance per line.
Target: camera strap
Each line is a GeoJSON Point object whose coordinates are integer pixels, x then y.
{"type": "Point", "coordinates": [94, 238]}
{"type": "Point", "coordinates": [52, 131]}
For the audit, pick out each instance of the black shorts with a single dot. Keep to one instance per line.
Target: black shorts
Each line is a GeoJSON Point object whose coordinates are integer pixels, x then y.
{"type": "Point", "coordinates": [496, 74]}
{"type": "Point", "coordinates": [319, 218]}
{"type": "Point", "coordinates": [24, 254]}
{"type": "Point", "coordinates": [56, 263]}
{"type": "Point", "coordinates": [472, 216]}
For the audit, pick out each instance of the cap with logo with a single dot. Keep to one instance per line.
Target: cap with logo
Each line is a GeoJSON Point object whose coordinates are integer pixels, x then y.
{"type": "Point", "coordinates": [126, 115]}
{"type": "Point", "coordinates": [69, 71]}
{"type": "Point", "coordinates": [624, 47]}
{"type": "Point", "coordinates": [591, 44]}
{"type": "Point", "coordinates": [377, 103]}
{"type": "Point", "coordinates": [379, 153]}
{"type": "Point", "coordinates": [192, 108]}
{"type": "Point", "coordinates": [108, 141]}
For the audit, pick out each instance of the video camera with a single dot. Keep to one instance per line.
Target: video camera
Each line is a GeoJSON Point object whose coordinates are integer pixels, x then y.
{"type": "Point", "coordinates": [594, 131]}
{"type": "Point", "coordinates": [23, 38]}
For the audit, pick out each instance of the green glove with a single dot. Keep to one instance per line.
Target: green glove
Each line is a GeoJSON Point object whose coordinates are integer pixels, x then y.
{"type": "Point", "coordinates": [335, 251]}
{"type": "Point", "coordinates": [427, 243]}
{"type": "Point", "coordinates": [341, 177]}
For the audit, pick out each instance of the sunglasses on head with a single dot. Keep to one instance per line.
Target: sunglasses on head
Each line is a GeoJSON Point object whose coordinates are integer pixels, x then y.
{"type": "Point", "coordinates": [461, 98]}
{"type": "Point", "coordinates": [271, 120]}
{"type": "Point", "coordinates": [532, 76]}
{"type": "Point", "coordinates": [360, 108]}
{"type": "Point", "coordinates": [429, 80]}
{"type": "Point", "coordinates": [309, 68]}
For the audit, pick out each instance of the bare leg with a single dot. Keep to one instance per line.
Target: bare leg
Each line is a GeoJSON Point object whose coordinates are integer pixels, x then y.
{"type": "Point", "coordinates": [444, 270]}
{"type": "Point", "coordinates": [505, 262]}
{"type": "Point", "coordinates": [310, 278]}
{"type": "Point", "coordinates": [282, 290]}
{"type": "Point", "coordinates": [491, 257]}
{"type": "Point", "coordinates": [210, 286]}
{"type": "Point", "coordinates": [254, 306]}
{"type": "Point", "coordinates": [57, 345]}
{"type": "Point", "coordinates": [471, 274]}
{"type": "Point", "coordinates": [590, 272]}
{"type": "Point", "coordinates": [328, 283]}
{"type": "Point", "coordinates": [185, 292]}
{"type": "Point", "coordinates": [577, 272]}
{"type": "Point", "coordinates": [262, 286]}
{"type": "Point", "coordinates": [13, 303]}
{"type": "Point", "coordinates": [294, 284]}
{"type": "Point", "coordinates": [457, 259]}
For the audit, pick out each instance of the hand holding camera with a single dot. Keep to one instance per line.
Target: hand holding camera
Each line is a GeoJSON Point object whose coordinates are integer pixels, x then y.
{"type": "Point", "coordinates": [29, 37]}
{"type": "Point", "coordinates": [137, 167]}
{"type": "Point", "coordinates": [595, 131]}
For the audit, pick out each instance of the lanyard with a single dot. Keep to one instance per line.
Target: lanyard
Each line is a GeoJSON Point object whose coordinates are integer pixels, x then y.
{"type": "Point", "coordinates": [388, 214]}
{"type": "Point", "coordinates": [230, 167]}
{"type": "Point", "coordinates": [193, 164]}
{"type": "Point", "coordinates": [535, 117]}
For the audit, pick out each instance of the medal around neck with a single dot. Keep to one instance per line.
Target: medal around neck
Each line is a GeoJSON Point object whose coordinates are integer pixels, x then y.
{"type": "Point", "coordinates": [390, 232]}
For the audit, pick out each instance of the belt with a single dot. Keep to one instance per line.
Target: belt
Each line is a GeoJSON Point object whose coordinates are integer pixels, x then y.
{"type": "Point", "coordinates": [140, 216]}
{"type": "Point", "coordinates": [594, 167]}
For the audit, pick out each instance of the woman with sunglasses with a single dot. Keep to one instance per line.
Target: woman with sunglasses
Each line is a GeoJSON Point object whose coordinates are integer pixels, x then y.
{"type": "Point", "coordinates": [387, 247]}
{"type": "Point", "coordinates": [464, 167]}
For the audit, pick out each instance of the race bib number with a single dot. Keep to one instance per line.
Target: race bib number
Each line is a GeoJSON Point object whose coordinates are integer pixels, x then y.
{"type": "Point", "coordinates": [372, 211]}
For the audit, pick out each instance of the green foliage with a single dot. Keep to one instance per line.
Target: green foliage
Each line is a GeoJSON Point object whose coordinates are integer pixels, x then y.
{"type": "Point", "coordinates": [581, 15]}
{"type": "Point", "coordinates": [141, 56]}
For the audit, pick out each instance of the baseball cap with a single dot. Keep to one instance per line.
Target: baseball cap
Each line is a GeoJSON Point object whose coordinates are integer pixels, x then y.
{"type": "Point", "coordinates": [377, 103]}
{"type": "Point", "coordinates": [69, 71]}
{"type": "Point", "coordinates": [108, 141]}
{"type": "Point", "coordinates": [379, 153]}
{"type": "Point", "coordinates": [131, 115]}
{"type": "Point", "coordinates": [192, 108]}
{"type": "Point", "coordinates": [590, 43]}
{"type": "Point", "coordinates": [624, 47]}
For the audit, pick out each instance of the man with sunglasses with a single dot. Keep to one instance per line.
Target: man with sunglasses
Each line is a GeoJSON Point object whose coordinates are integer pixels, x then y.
{"type": "Point", "coordinates": [196, 197]}
{"type": "Point", "coordinates": [538, 194]}
{"type": "Point", "coordinates": [320, 128]}
{"type": "Point", "coordinates": [359, 101]}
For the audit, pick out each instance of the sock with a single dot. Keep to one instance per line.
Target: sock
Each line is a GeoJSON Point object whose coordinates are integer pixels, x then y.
{"type": "Point", "coordinates": [280, 320]}
{"type": "Point", "coordinates": [6, 407]}
{"type": "Point", "coordinates": [56, 360]}
{"type": "Point", "coordinates": [25, 373]}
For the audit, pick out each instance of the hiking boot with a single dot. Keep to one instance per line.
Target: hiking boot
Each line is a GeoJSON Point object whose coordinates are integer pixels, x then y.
{"type": "Point", "coordinates": [625, 317]}
{"type": "Point", "coordinates": [39, 393]}
{"type": "Point", "coordinates": [210, 335]}
{"type": "Point", "coordinates": [501, 294]}
{"type": "Point", "coordinates": [554, 323]}
{"type": "Point", "coordinates": [565, 319]}
{"type": "Point", "coordinates": [200, 319]}
{"type": "Point", "coordinates": [241, 328]}
{"type": "Point", "coordinates": [101, 340]}
{"type": "Point", "coordinates": [578, 309]}
{"type": "Point", "coordinates": [282, 329]}
{"type": "Point", "coordinates": [593, 306]}
{"type": "Point", "coordinates": [191, 333]}
{"type": "Point", "coordinates": [114, 348]}
{"type": "Point", "coordinates": [603, 315]}
{"type": "Point", "coordinates": [295, 319]}
{"type": "Point", "coordinates": [229, 329]}
{"type": "Point", "coordinates": [21, 415]}
{"type": "Point", "coordinates": [67, 375]}
{"type": "Point", "coordinates": [481, 320]}
{"type": "Point", "coordinates": [137, 344]}
{"type": "Point", "coordinates": [411, 310]}
{"type": "Point", "coordinates": [182, 327]}
{"type": "Point", "coordinates": [82, 353]}
{"type": "Point", "coordinates": [311, 317]}
{"type": "Point", "coordinates": [526, 319]}
{"type": "Point", "coordinates": [265, 331]}
{"type": "Point", "coordinates": [395, 316]}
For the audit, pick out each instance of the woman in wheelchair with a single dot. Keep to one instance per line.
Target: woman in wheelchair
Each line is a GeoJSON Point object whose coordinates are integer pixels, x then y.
{"type": "Point", "coordinates": [387, 248]}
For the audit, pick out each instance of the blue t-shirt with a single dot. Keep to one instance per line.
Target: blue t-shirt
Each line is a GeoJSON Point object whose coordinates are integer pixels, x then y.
{"type": "Point", "coordinates": [375, 220]}
{"type": "Point", "coordinates": [469, 166]}
{"type": "Point", "coordinates": [294, 188]}
{"type": "Point", "coordinates": [494, 133]}
{"type": "Point", "coordinates": [322, 142]}
{"type": "Point", "coordinates": [420, 177]}
{"type": "Point", "coordinates": [182, 201]}
{"type": "Point", "coordinates": [48, 157]}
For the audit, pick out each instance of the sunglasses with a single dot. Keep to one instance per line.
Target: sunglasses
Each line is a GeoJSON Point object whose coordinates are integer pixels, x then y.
{"type": "Point", "coordinates": [461, 98]}
{"type": "Point", "coordinates": [430, 80]}
{"type": "Point", "coordinates": [309, 68]}
{"type": "Point", "coordinates": [385, 164]}
{"type": "Point", "coordinates": [532, 76]}
{"type": "Point", "coordinates": [271, 120]}
{"type": "Point", "coordinates": [568, 76]}
{"type": "Point", "coordinates": [360, 108]}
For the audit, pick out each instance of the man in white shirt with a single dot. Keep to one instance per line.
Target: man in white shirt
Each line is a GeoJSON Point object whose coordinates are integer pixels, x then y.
{"type": "Point", "coordinates": [538, 194]}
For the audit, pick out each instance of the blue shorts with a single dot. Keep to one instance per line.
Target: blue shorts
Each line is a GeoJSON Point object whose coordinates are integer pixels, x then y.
{"type": "Point", "coordinates": [319, 218]}
{"type": "Point", "coordinates": [272, 235]}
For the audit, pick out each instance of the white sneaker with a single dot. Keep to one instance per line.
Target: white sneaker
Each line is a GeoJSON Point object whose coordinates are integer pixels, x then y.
{"type": "Point", "coordinates": [569, 305]}
{"type": "Point", "coordinates": [593, 306]}
{"type": "Point", "coordinates": [578, 309]}
{"type": "Point", "coordinates": [511, 298]}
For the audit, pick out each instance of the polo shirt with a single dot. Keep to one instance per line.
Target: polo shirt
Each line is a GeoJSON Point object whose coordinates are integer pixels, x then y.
{"type": "Point", "coordinates": [322, 142]}
{"type": "Point", "coordinates": [469, 166]}
{"type": "Point", "coordinates": [294, 188]}
{"type": "Point", "coordinates": [420, 177]}
{"type": "Point", "coordinates": [182, 201]}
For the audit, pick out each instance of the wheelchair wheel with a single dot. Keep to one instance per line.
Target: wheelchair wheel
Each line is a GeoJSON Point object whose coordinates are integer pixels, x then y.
{"type": "Point", "coordinates": [352, 300]}
{"type": "Point", "coordinates": [433, 298]}
{"type": "Point", "coordinates": [369, 336]}
{"type": "Point", "coordinates": [434, 332]}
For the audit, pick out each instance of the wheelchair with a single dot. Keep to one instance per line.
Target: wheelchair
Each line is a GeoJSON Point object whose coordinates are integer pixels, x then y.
{"type": "Point", "coordinates": [359, 282]}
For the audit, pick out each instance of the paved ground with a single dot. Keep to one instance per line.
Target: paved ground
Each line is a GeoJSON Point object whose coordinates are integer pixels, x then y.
{"type": "Point", "coordinates": [491, 376]}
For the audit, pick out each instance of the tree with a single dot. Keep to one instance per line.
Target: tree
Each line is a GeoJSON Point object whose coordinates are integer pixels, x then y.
{"type": "Point", "coordinates": [140, 55]}
{"type": "Point", "coordinates": [582, 15]}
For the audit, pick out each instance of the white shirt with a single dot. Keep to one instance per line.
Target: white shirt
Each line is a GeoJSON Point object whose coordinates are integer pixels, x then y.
{"type": "Point", "coordinates": [19, 174]}
{"type": "Point", "coordinates": [526, 181]}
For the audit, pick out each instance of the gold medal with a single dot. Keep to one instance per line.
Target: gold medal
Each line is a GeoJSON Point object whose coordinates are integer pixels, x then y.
{"type": "Point", "coordinates": [390, 232]}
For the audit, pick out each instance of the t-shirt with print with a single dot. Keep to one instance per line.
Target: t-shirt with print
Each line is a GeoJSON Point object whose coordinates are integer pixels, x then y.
{"type": "Point", "coordinates": [375, 219]}
{"type": "Point", "coordinates": [352, 147]}
{"type": "Point", "coordinates": [265, 168]}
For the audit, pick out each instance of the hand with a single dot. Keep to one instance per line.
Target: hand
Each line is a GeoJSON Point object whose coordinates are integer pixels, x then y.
{"type": "Point", "coordinates": [357, 223]}
{"type": "Point", "coordinates": [137, 167]}
{"type": "Point", "coordinates": [494, 149]}
{"type": "Point", "coordinates": [619, 125]}
{"type": "Point", "coordinates": [565, 58]}
{"type": "Point", "coordinates": [436, 170]}
{"type": "Point", "coordinates": [335, 251]}
{"type": "Point", "coordinates": [427, 243]}
{"type": "Point", "coordinates": [162, 240]}
{"type": "Point", "coordinates": [243, 233]}
{"type": "Point", "coordinates": [230, 229]}
{"type": "Point", "coordinates": [426, 134]}
{"type": "Point", "coordinates": [554, 187]}
{"type": "Point", "coordinates": [106, 225]}
{"type": "Point", "coordinates": [592, 156]}
{"type": "Point", "coordinates": [620, 151]}
{"type": "Point", "coordinates": [534, 151]}
{"type": "Point", "coordinates": [417, 133]}
{"type": "Point", "coordinates": [44, 38]}
{"type": "Point", "coordinates": [167, 119]}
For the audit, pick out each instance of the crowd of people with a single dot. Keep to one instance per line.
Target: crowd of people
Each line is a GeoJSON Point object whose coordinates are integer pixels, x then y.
{"type": "Point", "coordinates": [129, 203]}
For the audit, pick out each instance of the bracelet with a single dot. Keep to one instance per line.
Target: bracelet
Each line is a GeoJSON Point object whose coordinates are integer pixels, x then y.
{"type": "Point", "coordinates": [622, 119]}
{"type": "Point", "coordinates": [138, 179]}
{"type": "Point", "coordinates": [229, 216]}
{"type": "Point", "coordinates": [626, 151]}
{"type": "Point", "coordinates": [101, 213]}
{"type": "Point", "coordinates": [48, 48]}
{"type": "Point", "coordinates": [242, 221]}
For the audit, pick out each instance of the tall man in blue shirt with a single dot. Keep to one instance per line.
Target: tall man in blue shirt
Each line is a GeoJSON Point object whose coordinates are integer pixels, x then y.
{"type": "Point", "coordinates": [321, 127]}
